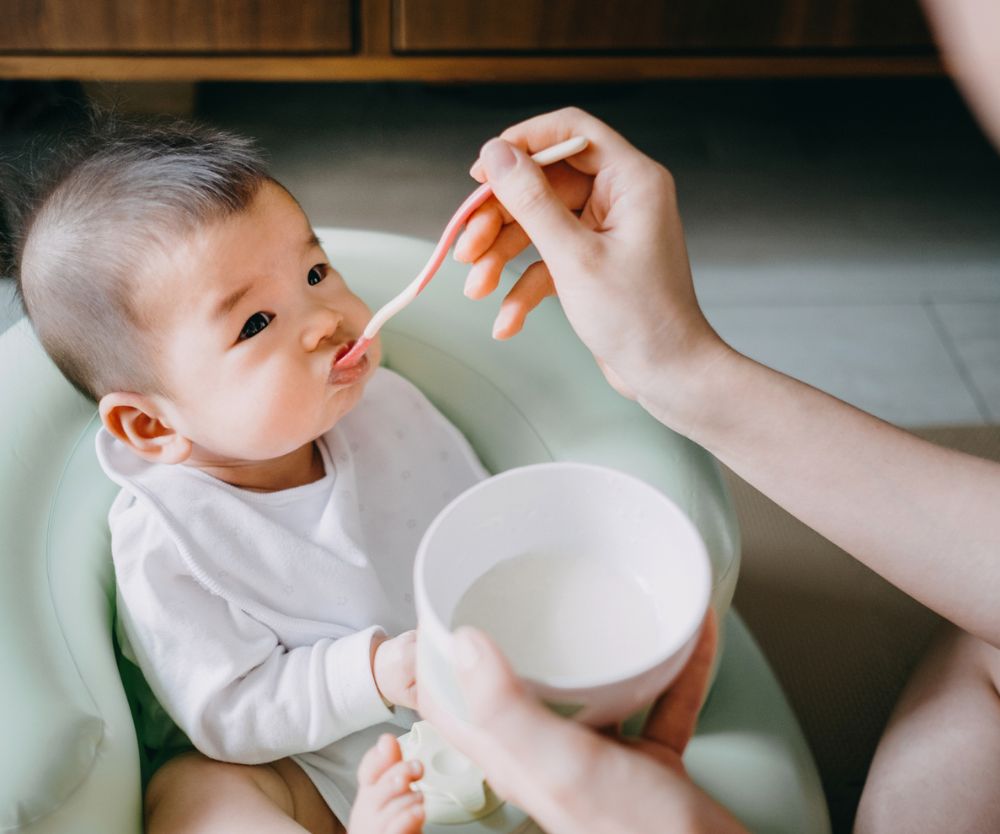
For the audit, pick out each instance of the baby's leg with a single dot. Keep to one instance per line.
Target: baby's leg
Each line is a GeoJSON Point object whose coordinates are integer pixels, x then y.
{"type": "Point", "coordinates": [385, 804]}
{"type": "Point", "coordinates": [937, 767]}
{"type": "Point", "coordinates": [194, 794]}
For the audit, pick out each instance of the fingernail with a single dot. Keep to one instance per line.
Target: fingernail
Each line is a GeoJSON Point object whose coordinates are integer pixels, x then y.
{"type": "Point", "coordinates": [470, 284]}
{"type": "Point", "coordinates": [498, 158]}
{"type": "Point", "coordinates": [502, 322]}
{"type": "Point", "coordinates": [466, 650]}
{"type": "Point", "coordinates": [414, 768]}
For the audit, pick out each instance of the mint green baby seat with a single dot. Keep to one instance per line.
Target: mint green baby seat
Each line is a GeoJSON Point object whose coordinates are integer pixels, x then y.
{"type": "Point", "coordinates": [69, 756]}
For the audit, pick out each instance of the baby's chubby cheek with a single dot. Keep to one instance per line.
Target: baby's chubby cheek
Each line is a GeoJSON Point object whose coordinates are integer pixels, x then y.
{"type": "Point", "coordinates": [260, 409]}
{"type": "Point", "coordinates": [288, 417]}
{"type": "Point", "coordinates": [245, 424]}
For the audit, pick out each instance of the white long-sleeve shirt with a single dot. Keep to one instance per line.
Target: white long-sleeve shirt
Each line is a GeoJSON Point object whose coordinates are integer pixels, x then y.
{"type": "Point", "coordinates": [251, 615]}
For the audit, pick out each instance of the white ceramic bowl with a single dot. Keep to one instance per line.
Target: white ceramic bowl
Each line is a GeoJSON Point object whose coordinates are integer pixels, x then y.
{"type": "Point", "coordinates": [589, 512]}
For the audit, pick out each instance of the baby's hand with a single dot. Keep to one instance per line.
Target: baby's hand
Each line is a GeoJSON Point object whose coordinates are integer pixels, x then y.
{"type": "Point", "coordinates": [395, 669]}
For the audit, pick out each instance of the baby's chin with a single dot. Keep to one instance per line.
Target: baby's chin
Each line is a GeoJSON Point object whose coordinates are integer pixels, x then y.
{"type": "Point", "coordinates": [346, 399]}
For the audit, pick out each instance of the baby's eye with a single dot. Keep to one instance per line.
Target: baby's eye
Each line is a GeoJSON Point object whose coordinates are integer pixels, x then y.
{"type": "Point", "coordinates": [317, 274]}
{"type": "Point", "coordinates": [256, 323]}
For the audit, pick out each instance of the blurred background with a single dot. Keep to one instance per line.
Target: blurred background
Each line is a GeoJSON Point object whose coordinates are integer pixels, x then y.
{"type": "Point", "coordinates": [841, 206]}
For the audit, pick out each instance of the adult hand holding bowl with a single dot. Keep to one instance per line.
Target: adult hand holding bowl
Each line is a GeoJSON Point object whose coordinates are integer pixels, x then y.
{"type": "Point", "coordinates": [570, 779]}
{"type": "Point", "coordinates": [594, 584]}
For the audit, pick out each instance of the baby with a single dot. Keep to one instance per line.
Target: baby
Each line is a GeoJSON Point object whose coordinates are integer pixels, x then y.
{"type": "Point", "coordinates": [270, 504]}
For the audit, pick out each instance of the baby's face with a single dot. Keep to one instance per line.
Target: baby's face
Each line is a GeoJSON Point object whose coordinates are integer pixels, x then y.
{"type": "Point", "coordinates": [252, 318]}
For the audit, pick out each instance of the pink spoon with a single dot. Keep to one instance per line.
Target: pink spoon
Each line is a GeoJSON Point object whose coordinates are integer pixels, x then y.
{"type": "Point", "coordinates": [570, 147]}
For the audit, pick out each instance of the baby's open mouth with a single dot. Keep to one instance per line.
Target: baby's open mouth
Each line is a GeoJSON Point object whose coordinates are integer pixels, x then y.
{"type": "Point", "coordinates": [343, 350]}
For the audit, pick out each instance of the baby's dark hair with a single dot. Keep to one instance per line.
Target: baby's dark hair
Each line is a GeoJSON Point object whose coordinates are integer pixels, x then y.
{"type": "Point", "coordinates": [84, 228]}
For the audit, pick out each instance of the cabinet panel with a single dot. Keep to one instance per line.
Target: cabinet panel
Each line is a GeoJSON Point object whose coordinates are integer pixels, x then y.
{"type": "Point", "coordinates": [856, 24]}
{"type": "Point", "coordinates": [175, 26]}
{"type": "Point", "coordinates": [648, 25]}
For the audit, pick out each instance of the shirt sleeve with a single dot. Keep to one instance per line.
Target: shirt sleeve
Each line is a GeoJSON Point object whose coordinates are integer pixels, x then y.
{"type": "Point", "coordinates": [223, 676]}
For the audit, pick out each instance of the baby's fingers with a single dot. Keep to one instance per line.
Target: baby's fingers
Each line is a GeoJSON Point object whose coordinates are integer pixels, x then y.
{"type": "Point", "coordinates": [379, 759]}
{"type": "Point", "coordinates": [530, 290]}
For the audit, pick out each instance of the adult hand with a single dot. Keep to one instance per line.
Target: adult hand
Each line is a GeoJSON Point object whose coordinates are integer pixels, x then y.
{"type": "Point", "coordinates": [619, 266]}
{"type": "Point", "coordinates": [569, 778]}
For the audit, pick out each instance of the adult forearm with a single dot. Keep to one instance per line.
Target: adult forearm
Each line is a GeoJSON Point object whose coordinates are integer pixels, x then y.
{"type": "Point", "coordinates": [924, 517]}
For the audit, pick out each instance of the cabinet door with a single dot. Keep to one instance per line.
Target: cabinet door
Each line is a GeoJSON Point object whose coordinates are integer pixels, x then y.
{"type": "Point", "coordinates": [175, 26]}
{"type": "Point", "coordinates": [654, 25]}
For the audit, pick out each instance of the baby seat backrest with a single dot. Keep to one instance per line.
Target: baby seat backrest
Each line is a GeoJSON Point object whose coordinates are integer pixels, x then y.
{"type": "Point", "coordinates": [61, 695]}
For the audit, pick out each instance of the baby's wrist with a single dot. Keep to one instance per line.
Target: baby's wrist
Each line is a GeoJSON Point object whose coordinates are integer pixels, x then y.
{"type": "Point", "coordinates": [378, 640]}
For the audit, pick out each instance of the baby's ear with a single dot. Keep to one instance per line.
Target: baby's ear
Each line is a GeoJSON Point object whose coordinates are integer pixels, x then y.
{"type": "Point", "coordinates": [137, 423]}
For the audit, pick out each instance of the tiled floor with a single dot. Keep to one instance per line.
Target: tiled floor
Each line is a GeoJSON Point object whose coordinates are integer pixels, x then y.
{"type": "Point", "coordinates": [845, 232]}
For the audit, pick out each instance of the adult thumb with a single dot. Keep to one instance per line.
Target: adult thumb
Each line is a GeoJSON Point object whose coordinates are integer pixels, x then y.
{"type": "Point", "coordinates": [510, 720]}
{"type": "Point", "coordinates": [524, 190]}
{"type": "Point", "coordinates": [487, 680]}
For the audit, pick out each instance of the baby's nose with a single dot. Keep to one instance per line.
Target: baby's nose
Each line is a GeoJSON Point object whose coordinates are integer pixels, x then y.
{"type": "Point", "coordinates": [321, 327]}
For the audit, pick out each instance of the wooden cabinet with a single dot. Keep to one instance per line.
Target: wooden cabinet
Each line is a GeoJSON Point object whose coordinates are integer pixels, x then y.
{"type": "Point", "coordinates": [460, 40]}
{"type": "Point", "coordinates": [629, 26]}
{"type": "Point", "coordinates": [176, 26]}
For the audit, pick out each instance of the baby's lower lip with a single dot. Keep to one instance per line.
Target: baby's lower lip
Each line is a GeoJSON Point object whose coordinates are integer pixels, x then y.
{"type": "Point", "coordinates": [345, 376]}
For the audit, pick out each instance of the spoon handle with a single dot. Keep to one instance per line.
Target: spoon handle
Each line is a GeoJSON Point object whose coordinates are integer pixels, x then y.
{"type": "Point", "coordinates": [546, 156]}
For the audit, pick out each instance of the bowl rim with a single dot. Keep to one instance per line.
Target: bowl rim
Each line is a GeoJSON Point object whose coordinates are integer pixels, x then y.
{"type": "Point", "coordinates": [429, 622]}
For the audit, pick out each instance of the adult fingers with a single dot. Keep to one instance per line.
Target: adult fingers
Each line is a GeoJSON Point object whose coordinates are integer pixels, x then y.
{"type": "Point", "coordinates": [523, 189]}
{"type": "Point", "coordinates": [532, 135]}
{"type": "Point", "coordinates": [484, 276]}
{"type": "Point", "coordinates": [480, 231]}
{"type": "Point", "coordinates": [534, 285]}
{"type": "Point", "coordinates": [568, 184]}
{"type": "Point", "coordinates": [493, 691]}
{"type": "Point", "coordinates": [529, 755]}
{"type": "Point", "coordinates": [508, 727]}
{"type": "Point", "coordinates": [673, 719]}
